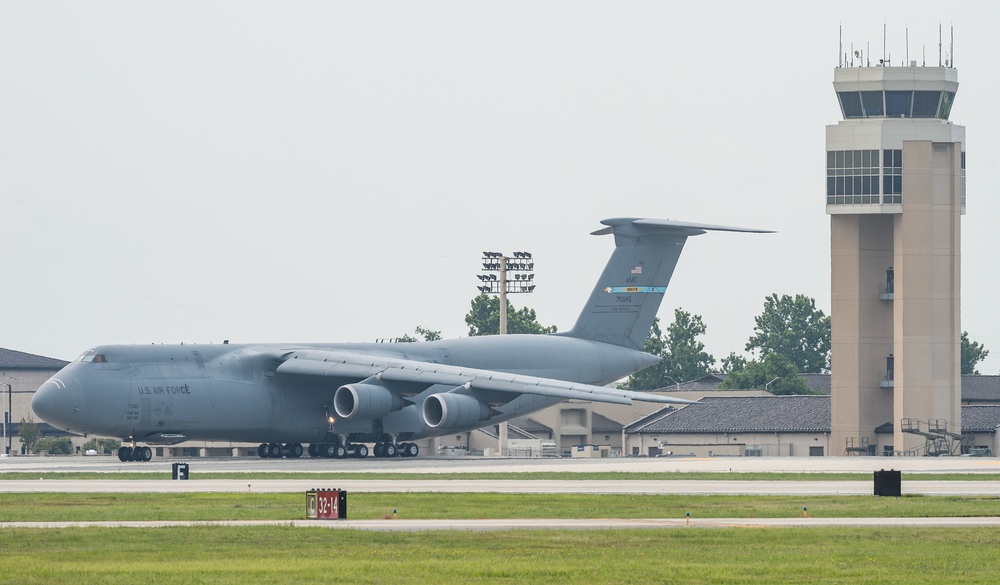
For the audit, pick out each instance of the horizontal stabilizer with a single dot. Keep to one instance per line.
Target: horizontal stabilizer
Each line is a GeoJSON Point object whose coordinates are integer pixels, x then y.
{"type": "Point", "coordinates": [671, 226]}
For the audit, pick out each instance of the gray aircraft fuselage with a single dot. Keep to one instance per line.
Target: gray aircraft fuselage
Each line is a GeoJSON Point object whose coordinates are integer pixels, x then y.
{"type": "Point", "coordinates": [232, 392]}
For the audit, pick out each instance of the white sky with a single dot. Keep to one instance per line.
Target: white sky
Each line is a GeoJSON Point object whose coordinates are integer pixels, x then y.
{"type": "Point", "coordinates": [315, 171]}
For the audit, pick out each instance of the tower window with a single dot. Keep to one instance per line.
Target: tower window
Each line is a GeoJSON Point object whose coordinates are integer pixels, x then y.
{"type": "Point", "coordinates": [963, 178]}
{"type": "Point", "coordinates": [946, 100]}
{"type": "Point", "coordinates": [892, 176]}
{"type": "Point", "coordinates": [897, 104]}
{"type": "Point", "coordinates": [852, 177]}
{"type": "Point", "coordinates": [850, 103]}
{"type": "Point", "coordinates": [872, 100]}
{"type": "Point", "coordinates": [925, 103]}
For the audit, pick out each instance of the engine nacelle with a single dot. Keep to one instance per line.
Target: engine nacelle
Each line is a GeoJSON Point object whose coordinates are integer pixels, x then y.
{"type": "Point", "coordinates": [365, 401]}
{"type": "Point", "coordinates": [449, 411]}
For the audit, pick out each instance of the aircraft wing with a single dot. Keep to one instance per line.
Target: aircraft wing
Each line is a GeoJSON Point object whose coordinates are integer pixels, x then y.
{"type": "Point", "coordinates": [357, 366]}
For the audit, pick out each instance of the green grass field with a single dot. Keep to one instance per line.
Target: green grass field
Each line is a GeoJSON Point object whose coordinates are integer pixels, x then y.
{"type": "Point", "coordinates": [289, 555]}
{"type": "Point", "coordinates": [286, 554]}
{"type": "Point", "coordinates": [29, 507]}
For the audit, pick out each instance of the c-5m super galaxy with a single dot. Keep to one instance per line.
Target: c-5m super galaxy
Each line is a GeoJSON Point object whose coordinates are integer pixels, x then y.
{"type": "Point", "coordinates": [338, 397]}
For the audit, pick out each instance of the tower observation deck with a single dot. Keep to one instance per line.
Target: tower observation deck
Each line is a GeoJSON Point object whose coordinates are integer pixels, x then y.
{"type": "Point", "coordinates": [883, 107]}
{"type": "Point", "coordinates": [895, 193]}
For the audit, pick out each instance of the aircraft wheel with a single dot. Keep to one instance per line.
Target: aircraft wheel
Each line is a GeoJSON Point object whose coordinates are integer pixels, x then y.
{"type": "Point", "coordinates": [380, 449]}
{"type": "Point", "coordinates": [389, 450]}
{"type": "Point", "coordinates": [124, 454]}
{"type": "Point", "coordinates": [340, 452]}
{"type": "Point", "coordinates": [294, 450]}
{"type": "Point", "coordinates": [313, 450]}
{"type": "Point", "coordinates": [330, 451]}
{"type": "Point", "coordinates": [274, 450]}
{"type": "Point", "coordinates": [410, 450]}
{"type": "Point", "coordinates": [144, 454]}
{"type": "Point", "coordinates": [361, 452]}
{"type": "Point", "coordinates": [262, 450]}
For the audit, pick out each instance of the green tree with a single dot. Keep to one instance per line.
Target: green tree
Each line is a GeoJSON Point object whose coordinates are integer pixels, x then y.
{"type": "Point", "coordinates": [972, 353]}
{"type": "Point", "coordinates": [794, 328]}
{"type": "Point", "coordinates": [484, 318]}
{"type": "Point", "coordinates": [733, 363]}
{"type": "Point", "coordinates": [28, 433]}
{"type": "Point", "coordinates": [652, 377]}
{"type": "Point", "coordinates": [427, 334]}
{"type": "Point", "coordinates": [683, 355]}
{"type": "Point", "coordinates": [774, 373]}
{"type": "Point", "coordinates": [54, 446]}
{"type": "Point", "coordinates": [102, 446]}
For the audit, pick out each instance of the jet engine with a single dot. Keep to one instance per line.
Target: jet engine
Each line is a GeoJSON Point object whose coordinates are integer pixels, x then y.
{"type": "Point", "coordinates": [365, 401]}
{"type": "Point", "coordinates": [449, 411]}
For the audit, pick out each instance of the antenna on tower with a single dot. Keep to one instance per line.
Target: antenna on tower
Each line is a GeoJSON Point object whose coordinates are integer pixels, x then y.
{"type": "Point", "coordinates": [953, 46]}
{"type": "Point", "coordinates": [884, 62]}
{"type": "Point", "coordinates": [939, 44]}
{"type": "Point", "coordinates": [907, 44]}
{"type": "Point", "coordinates": [840, 46]}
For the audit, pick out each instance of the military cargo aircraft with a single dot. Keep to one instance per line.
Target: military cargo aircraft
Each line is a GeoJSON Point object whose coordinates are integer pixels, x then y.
{"type": "Point", "coordinates": [337, 398]}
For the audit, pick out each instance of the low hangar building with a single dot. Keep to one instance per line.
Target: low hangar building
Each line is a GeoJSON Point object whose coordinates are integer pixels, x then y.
{"type": "Point", "coordinates": [769, 426]}
{"type": "Point", "coordinates": [782, 426]}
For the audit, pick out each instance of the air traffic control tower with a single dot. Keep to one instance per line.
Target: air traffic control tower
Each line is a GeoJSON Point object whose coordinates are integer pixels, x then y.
{"type": "Point", "coordinates": [895, 195]}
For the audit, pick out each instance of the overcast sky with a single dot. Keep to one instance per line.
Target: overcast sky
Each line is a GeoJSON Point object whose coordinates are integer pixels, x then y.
{"type": "Point", "coordinates": [317, 171]}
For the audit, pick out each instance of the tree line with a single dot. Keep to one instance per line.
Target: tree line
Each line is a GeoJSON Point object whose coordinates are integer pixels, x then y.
{"type": "Point", "coordinates": [790, 337]}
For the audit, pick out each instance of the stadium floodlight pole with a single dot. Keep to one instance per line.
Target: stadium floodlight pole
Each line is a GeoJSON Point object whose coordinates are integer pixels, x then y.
{"type": "Point", "coordinates": [519, 264]}
{"type": "Point", "coordinates": [503, 295]}
{"type": "Point", "coordinates": [500, 285]}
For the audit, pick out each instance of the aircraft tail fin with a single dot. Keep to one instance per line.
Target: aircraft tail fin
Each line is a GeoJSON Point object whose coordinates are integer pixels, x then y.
{"type": "Point", "coordinates": [627, 297]}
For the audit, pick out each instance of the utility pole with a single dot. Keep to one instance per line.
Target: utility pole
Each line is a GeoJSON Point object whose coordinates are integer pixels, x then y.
{"type": "Point", "coordinates": [8, 416]}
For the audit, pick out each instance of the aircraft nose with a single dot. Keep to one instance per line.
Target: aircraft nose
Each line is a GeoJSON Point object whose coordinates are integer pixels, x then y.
{"type": "Point", "coordinates": [54, 403]}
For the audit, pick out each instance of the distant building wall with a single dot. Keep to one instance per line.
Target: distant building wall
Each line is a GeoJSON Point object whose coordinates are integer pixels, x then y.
{"type": "Point", "coordinates": [733, 444]}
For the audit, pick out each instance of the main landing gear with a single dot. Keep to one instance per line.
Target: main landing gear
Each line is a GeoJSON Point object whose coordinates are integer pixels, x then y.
{"type": "Point", "coordinates": [396, 450]}
{"type": "Point", "coordinates": [360, 451]}
{"type": "Point", "coordinates": [338, 451]}
{"type": "Point", "coordinates": [277, 450]}
{"type": "Point", "coordinates": [134, 454]}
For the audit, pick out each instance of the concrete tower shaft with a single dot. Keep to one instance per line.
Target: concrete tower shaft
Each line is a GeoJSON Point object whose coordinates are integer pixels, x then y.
{"type": "Point", "coordinates": [895, 196]}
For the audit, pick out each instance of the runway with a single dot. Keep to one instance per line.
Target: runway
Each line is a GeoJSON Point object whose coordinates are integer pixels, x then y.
{"type": "Point", "coordinates": [971, 465]}
{"type": "Point", "coordinates": [255, 474]}
{"type": "Point", "coordinates": [508, 486]}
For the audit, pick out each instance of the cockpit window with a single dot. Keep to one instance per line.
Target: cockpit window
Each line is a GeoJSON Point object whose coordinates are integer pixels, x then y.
{"type": "Point", "coordinates": [91, 356]}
